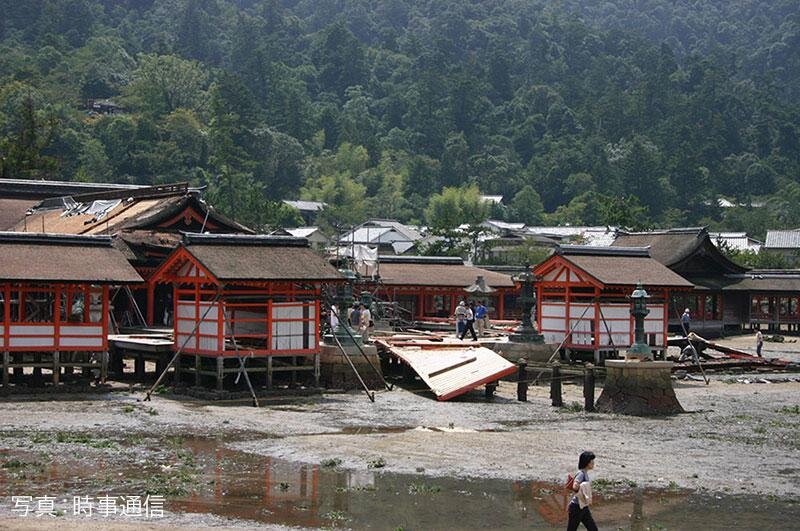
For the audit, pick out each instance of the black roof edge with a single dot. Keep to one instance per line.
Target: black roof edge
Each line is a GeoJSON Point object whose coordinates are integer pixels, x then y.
{"type": "Point", "coordinates": [194, 238]}
{"type": "Point", "coordinates": [676, 230]}
{"type": "Point", "coordinates": [441, 260]}
{"type": "Point", "coordinates": [55, 239]}
{"type": "Point", "coordinates": [591, 250]}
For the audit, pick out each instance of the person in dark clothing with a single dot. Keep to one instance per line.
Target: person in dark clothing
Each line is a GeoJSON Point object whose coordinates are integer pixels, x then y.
{"type": "Point", "coordinates": [686, 322]}
{"type": "Point", "coordinates": [470, 326]}
{"type": "Point", "coordinates": [578, 509]}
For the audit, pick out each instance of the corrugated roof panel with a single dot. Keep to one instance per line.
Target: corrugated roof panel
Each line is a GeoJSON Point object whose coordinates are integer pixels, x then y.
{"type": "Point", "coordinates": [782, 239]}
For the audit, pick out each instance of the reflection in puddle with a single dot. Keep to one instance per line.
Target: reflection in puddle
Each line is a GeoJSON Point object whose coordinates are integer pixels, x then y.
{"type": "Point", "coordinates": [202, 476]}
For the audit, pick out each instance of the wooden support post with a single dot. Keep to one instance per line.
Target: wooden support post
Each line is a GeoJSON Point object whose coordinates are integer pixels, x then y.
{"type": "Point", "coordinates": [588, 387]}
{"type": "Point", "coordinates": [220, 374]}
{"type": "Point", "coordinates": [56, 367]}
{"type": "Point", "coordinates": [197, 364]}
{"type": "Point", "coordinates": [19, 372]}
{"type": "Point", "coordinates": [37, 371]}
{"type": "Point", "coordinates": [6, 362]}
{"type": "Point", "coordinates": [177, 378]}
{"type": "Point", "coordinates": [139, 367]}
{"type": "Point", "coordinates": [151, 296]}
{"type": "Point", "coordinates": [293, 381]}
{"type": "Point", "coordinates": [117, 365]}
{"type": "Point", "coordinates": [555, 386]}
{"type": "Point", "coordinates": [316, 369]}
{"type": "Point", "coordinates": [522, 380]}
{"type": "Point", "coordinates": [103, 366]}
{"type": "Point", "coordinates": [86, 372]}
{"type": "Point", "coordinates": [269, 372]}
{"type": "Point", "coordinates": [491, 387]}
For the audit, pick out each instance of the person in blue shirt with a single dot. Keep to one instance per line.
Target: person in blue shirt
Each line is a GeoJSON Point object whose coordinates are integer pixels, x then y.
{"type": "Point", "coordinates": [481, 318]}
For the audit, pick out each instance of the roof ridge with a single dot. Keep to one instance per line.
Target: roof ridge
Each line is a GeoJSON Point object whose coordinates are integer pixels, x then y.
{"type": "Point", "coordinates": [194, 238]}
{"type": "Point", "coordinates": [591, 250]}
{"type": "Point", "coordinates": [93, 240]}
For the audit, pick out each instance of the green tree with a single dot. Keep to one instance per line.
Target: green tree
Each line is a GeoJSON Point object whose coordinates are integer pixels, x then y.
{"type": "Point", "coordinates": [164, 83]}
{"type": "Point", "coordinates": [527, 206]}
{"type": "Point", "coordinates": [456, 206]}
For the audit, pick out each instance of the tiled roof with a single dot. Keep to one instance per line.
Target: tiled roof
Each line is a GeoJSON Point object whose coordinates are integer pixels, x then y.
{"type": "Point", "coordinates": [58, 258]}
{"type": "Point", "coordinates": [433, 273]}
{"type": "Point", "coordinates": [617, 266]}
{"type": "Point", "coordinates": [242, 258]}
{"type": "Point", "coordinates": [13, 210]}
{"type": "Point", "coordinates": [674, 246]}
{"type": "Point", "coordinates": [782, 239]}
{"type": "Point", "coordinates": [306, 206]}
{"type": "Point", "coordinates": [770, 280]}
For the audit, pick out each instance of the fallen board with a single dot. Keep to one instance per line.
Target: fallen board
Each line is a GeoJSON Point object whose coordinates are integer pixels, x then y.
{"type": "Point", "coordinates": [450, 372]}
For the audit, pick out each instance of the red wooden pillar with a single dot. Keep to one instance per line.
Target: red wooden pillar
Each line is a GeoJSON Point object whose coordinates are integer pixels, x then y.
{"type": "Point", "coordinates": [501, 300]}
{"type": "Point", "coordinates": [104, 317]}
{"type": "Point", "coordinates": [567, 312]}
{"type": "Point", "coordinates": [597, 329]}
{"type": "Point", "coordinates": [151, 295]}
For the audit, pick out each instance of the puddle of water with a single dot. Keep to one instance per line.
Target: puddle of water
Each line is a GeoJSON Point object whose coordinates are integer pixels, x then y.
{"type": "Point", "coordinates": [233, 484]}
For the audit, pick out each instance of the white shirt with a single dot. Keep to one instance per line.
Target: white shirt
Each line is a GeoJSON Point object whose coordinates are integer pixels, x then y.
{"type": "Point", "coordinates": [366, 317]}
{"type": "Point", "coordinates": [334, 317]}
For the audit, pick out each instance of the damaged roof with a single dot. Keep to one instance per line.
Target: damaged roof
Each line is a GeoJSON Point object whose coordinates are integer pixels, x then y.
{"type": "Point", "coordinates": [245, 257]}
{"type": "Point", "coordinates": [148, 208]}
{"type": "Point", "coordinates": [60, 258]}
{"type": "Point", "coordinates": [437, 271]}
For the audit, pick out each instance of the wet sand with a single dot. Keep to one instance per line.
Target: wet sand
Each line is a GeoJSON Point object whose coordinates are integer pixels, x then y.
{"type": "Point", "coordinates": [735, 439]}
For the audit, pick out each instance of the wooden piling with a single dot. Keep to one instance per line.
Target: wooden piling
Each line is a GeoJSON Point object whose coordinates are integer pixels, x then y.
{"type": "Point", "coordinates": [588, 387]}
{"type": "Point", "coordinates": [6, 363]}
{"type": "Point", "coordinates": [522, 380]}
{"type": "Point", "coordinates": [56, 367]}
{"type": "Point", "coordinates": [555, 386]}
{"type": "Point", "coordinates": [220, 372]}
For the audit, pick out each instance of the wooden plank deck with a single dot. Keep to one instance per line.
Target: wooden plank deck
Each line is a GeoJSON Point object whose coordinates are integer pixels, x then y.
{"type": "Point", "coordinates": [451, 369]}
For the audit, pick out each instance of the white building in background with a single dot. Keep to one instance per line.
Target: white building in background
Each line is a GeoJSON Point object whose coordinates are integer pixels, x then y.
{"type": "Point", "coordinates": [738, 241]}
{"type": "Point", "coordinates": [388, 236]}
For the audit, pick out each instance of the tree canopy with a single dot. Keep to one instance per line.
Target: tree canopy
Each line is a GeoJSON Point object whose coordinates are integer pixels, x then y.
{"type": "Point", "coordinates": [639, 113]}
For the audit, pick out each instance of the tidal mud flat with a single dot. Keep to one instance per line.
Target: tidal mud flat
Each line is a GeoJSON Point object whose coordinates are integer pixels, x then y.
{"type": "Point", "coordinates": [408, 461]}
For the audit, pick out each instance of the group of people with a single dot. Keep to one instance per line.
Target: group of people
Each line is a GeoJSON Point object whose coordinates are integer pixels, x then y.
{"type": "Point", "coordinates": [359, 317]}
{"type": "Point", "coordinates": [468, 316]}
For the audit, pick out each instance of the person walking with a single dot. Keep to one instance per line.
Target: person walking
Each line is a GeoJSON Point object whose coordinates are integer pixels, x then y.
{"type": "Point", "coordinates": [686, 322]}
{"type": "Point", "coordinates": [365, 317]}
{"type": "Point", "coordinates": [461, 318]}
{"type": "Point", "coordinates": [578, 511]}
{"type": "Point", "coordinates": [470, 321]}
{"type": "Point", "coordinates": [354, 317]}
{"type": "Point", "coordinates": [334, 318]}
{"type": "Point", "coordinates": [759, 341]}
{"type": "Point", "coordinates": [480, 318]}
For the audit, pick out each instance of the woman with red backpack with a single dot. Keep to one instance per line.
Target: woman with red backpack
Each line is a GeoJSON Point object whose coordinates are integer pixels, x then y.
{"type": "Point", "coordinates": [578, 509]}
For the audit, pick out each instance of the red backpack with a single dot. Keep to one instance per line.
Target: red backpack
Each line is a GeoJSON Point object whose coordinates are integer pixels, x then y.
{"type": "Point", "coordinates": [570, 484]}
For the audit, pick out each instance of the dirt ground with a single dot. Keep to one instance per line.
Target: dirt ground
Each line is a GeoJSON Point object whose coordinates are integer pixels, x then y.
{"type": "Point", "coordinates": [735, 438]}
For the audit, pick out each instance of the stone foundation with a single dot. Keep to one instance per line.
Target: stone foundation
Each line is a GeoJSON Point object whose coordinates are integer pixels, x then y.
{"type": "Point", "coordinates": [336, 373]}
{"type": "Point", "coordinates": [638, 388]}
{"type": "Point", "coordinates": [536, 352]}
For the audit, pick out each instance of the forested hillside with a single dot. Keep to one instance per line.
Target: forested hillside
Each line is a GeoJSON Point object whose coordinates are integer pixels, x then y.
{"type": "Point", "coordinates": [632, 112]}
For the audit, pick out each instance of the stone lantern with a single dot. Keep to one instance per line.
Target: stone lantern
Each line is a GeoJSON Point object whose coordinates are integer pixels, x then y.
{"type": "Point", "coordinates": [640, 349]}
{"type": "Point", "coordinates": [527, 332]}
{"type": "Point", "coordinates": [638, 385]}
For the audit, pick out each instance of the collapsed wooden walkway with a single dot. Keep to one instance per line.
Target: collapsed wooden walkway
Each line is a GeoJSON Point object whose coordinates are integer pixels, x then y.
{"type": "Point", "coordinates": [450, 369]}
